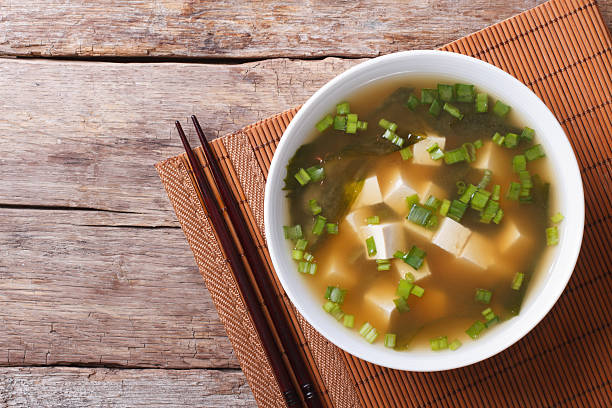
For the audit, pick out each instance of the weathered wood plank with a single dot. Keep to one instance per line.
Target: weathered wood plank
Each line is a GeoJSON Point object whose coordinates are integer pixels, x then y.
{"type": "Point", "coordinates": [98, 387]}
{"type": "Point", "coordinates": [244, 29]}
{"type": "Point", "coordinates": [96, 295]}
{"type": "Point", "coordinates": [83, 134]}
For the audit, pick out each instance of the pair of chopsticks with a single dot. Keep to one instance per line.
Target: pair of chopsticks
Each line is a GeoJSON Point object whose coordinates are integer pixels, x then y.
{"type": "Point", "coordinates": [280, 323]}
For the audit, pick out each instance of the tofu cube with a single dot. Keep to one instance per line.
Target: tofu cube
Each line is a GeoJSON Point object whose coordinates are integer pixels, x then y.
{"type": "Point", "coordinates": [370, 194]}
{"type": "Point", "coordinates": [511, 237]}
{"type": "Point", "coordinates": [451, 236]}
{"type": "Point", "coordinates": [388, 238]}
{"type": "Point", "coordinates": [357, 219]}
{"type": "Point", "coordinates": [418, 231]}
{"type": "Point", "coordinates": [487, 156]}
{"type": "Point", "coordinates": [432, 306]}
{"type": "Point", "coordinates": [479, 251]}
{"type": "Point", "coordinates": [431, 189]}
{"type": "Point", "coordinates": [380, 297]}
{"type": "Point", "coordinates": [422, 156]}
{"type": "Point", "coordinates": [396, 192]}
{"type": "Point", "coordinates": [338, 273]}
{"type": "Point", "coordinates": [402, 268]}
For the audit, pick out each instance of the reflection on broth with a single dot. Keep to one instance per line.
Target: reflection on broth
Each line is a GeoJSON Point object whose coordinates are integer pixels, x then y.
{"type": "Point", "coordinates": [392, 206]}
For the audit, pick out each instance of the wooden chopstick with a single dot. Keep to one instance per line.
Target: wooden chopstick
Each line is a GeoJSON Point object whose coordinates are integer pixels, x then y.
{"type": "Point", "coordinates": [283, 328]}
{"type": "Point", "coordinates": [261, 326]}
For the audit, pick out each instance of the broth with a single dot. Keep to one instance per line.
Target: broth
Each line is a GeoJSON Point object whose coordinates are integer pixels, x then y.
{"type": "Point", "coordinates": [448, 306]}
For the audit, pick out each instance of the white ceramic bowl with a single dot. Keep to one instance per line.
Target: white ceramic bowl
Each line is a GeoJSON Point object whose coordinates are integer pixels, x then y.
{"type": "Point", "coordinates": [543, 291]}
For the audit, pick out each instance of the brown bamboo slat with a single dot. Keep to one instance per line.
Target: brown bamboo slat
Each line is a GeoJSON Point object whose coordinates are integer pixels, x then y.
{"type": "Point", "coordinates": [563, 52]}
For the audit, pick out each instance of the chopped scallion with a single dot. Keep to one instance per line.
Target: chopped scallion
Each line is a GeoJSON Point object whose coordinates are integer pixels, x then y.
{"type": "Point", "coordinates": [343, 108]}
{"type": "Point", "coordinates": [513, 191]}
{"type": "Point", "coordinates": [332, 228]}
{"type": "Point", "coordinates": [498, 138]}
{"type": "Point", "coordinates": [445, 92]}
{"type": "Point", "coordinates": [401, 305]}
{"type": "Point", "coordinates": [501, 109]}
{"type": "Point", "coordinates": [519, 163]}
{"type": "Point", "coordinates": [302, 177]}
{"type": "Point", "coordinates": [371, 246]}
{"type": "Point", "coordinates": [439, 343]}
{"type": "Point", "coordinates": [498, 217]}
{"type": "Point", "coordinates": [352, 118]}
{"type": "Point", "coordinates": [525, 179]}
{"type": "Point", "coordinates": [456, 155]}
{"type": "Point", "coordinates": [383, 267]}
{"type": "Point", "coordinates": [475, 329]}
{"type": "Point", "coordinates": [486, 179]}
{"type": "Point", "coordinates": [384, 123]}
{"type": "Point", "coordinates": [375, 219]}
{"type": "Point", "coordinates": [482, 102]}
{"type": "Point", "coordinates": [340, 122]}
{"type": "Point", "coordinates": [534, 152]}
{"type": "Point", "coordinates": [349, 321]}
{"type": "Point", "coordinates": [552, 236]}
{"type": "Point", "coordinates": [419, 215]}
{"type": "Point", "coordinates": [297, 254]}
{"type": "Point", "coordinates": [464, 92]}
{"type": "Point", "coordinates": [435, 108]}
{"type": "Point", "coordinates": [511, 140]}
{"type": "Point", "coordinates": [428, 95]}
{"type": "Point", "coordinates": [319, 225]}
{"type": "Point", "coordinates": [411, 200]}
{"type": "Point", "coordinates": [362, 125]}
{"type": "Point", "coordinates": [325, 123]}
{"type": "Point", "coordinates": [528, 134]}
{"type": "Point", "coordinates": [334, 310]}
{"type": "Point", "coordinates": [496, 192]}
{"type": "Point", "coordinates": [293, 232]}
{"type": "Point", "coordinates": [468, 193]}
{"type": "Point", "coordinates": [456, 210]}
{"type": "Point", "coordinates": [390, 340]}
{"type": "Point", "coordinates": [432, 202]}
{"type": "Point", "coordinates": [454, 345]}
{"type": "Point", "coordinates": [307, 267]}
{"type": "Point", "coordinates": [412, 102]}
{"type": "Point", "coordinates": [351, 127]}
{"type": "Point", "coordinates": [483, 296]}
{"type": "Point", "coordinates": [406, 153]}
{"type": "Point", "coordinates": [417, 291]}
{"type": "Point", "coordinates": [471, 151]}
{"type": "Point", "coordinates": [403, 288]}
{"type": "Point", "coordinates": [453, 110]}
{"type": "Point", "coordinates": [301, 244]}
{"type": "Point", "coordinates": [335, 294]}
{"type": "Point", "coordinates": [415, 257]}
{"type": "Point", "coordinates": [489, 212]}
{"type": "Point", "coordinates": [557, 218]}
{"type": "Point", "coordinates": [368, 332]}
{"type": "Point", "coordinates": [316, 173]}
{"type": "Point", "coordinates": [479, 200]}
{"type": "Point", "coordinates": [315, 208]}
{"type": "Point", "coordinates": [444, 207]}
{"type": "Point", "coordinates": [308, 257]}
{"type": "Point", "coordinates": [435, 152]}
{"type": "Point", "coordinates": [517, 281]}
{"type": "Point", "coordinates": [478, 143]}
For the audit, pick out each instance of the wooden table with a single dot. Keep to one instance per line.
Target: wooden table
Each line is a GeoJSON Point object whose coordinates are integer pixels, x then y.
{"type": "Point", "coordinates": [101, 303]}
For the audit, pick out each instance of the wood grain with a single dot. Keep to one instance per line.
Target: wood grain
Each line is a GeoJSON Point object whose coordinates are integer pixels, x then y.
{"type": "Point", "coordinates": [93, 267]}
{"type": "Point", "coordinates": [66, 387]}
{"type": "Point", "coordinates": [243, 29]}
{"type": "Point", "coordinates": [95, 130]}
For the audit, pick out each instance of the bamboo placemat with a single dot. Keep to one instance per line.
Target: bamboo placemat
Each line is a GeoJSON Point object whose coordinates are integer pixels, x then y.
{"type": "Point", "coordinates": [562, 51]}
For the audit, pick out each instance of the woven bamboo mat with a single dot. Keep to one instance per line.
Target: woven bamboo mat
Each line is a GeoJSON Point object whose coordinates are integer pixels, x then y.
{"type": "Point", "coordinates": [562, 51]}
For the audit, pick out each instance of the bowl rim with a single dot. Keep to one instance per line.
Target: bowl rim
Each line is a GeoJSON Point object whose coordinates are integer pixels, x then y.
{"type": "Point", "coordinates": [526, 322]}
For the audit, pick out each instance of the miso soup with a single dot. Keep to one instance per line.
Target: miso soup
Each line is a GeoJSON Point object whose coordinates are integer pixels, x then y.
{"type": "Point", "coordinates": [419, 211]}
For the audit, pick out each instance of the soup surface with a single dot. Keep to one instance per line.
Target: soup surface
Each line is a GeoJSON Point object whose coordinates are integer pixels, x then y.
{"type": "Point", "coordinates": [416, 221]}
